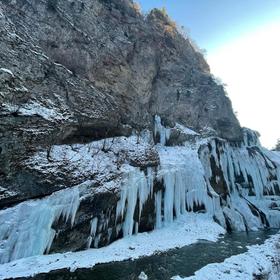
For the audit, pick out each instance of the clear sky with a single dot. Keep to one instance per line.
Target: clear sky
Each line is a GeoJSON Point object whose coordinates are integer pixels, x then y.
{"type": "Point", "coordinates": [242, 39]}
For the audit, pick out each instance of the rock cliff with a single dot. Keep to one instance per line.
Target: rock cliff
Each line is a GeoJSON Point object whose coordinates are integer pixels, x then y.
{"type": "Point", "coordinates": [115, 122]}
{"type": "Point", "coordinates": [80, 71]}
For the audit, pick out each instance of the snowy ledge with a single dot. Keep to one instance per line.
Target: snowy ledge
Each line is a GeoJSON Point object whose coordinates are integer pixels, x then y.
{"type": "Point", "coordinates": [260, 262]}
{"type": "Point", "coordinates": [184, 231]}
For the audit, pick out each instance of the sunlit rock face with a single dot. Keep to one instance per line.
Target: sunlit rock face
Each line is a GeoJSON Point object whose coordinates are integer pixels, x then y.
{"type": "Point", "coordinates": [111, 124]}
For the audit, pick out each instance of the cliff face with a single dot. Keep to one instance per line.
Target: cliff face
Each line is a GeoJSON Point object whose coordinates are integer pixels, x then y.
{"type": "Point", "coordinates": [144, 63]}
{"type": "Point", "coordinates": [97, 103]}
{"type": "Point", "coordinates": [94, 69]}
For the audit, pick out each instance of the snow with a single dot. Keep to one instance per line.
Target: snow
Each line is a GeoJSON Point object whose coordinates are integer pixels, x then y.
{"type": "Point", "coordinates": [185, 175]}
{"type": "Point", "coordinates": [185, 130]}
{"type": "Point", "coordinates": [260, 260]}
{"type": "Point", "coordinates": [184, 171]}
{"type": "Point", "coordinates": [34, 109]}
{"type": "Point", "coordinates": [82, 160]}
{"type": "Point", "coordinates": [165, 132]}
{"type": "Point", "coordinates": [7, 71]}
{"type": "Point", "coordinates": [142, 276]}
{"type": "Point", "coordinates": [4, 193]}
{"type": "Point", "coordinates": [186, 230]}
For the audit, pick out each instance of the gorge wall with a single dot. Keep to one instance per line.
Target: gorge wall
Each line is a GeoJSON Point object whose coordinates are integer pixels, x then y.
{"type": "Point", "coordinates": [111, 124]}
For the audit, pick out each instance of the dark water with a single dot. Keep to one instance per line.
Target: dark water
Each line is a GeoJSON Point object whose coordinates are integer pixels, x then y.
{"type": "Point", "coordinates": [184, 261]}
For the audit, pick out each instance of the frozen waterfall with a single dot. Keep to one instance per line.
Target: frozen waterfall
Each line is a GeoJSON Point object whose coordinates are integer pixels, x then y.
{"type": "Point", "coordinates": [251, 178]}
{"type": "Point", "coordinates": [237, 185]}
{"type": "Point", "coordinates": [186, 187]}
{"type": "Point", "coordinates": [136, 186]}
{"type": "Point", "coordinates": [161, 131]}
{"type": "Point", "coordinates": [26, 229]}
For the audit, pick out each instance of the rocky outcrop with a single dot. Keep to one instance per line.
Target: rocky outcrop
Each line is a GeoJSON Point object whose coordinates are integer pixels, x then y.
{"type": "Point", "coordinates": [42, 103]}
{"type": "Point", "coordinates": [143, 62]}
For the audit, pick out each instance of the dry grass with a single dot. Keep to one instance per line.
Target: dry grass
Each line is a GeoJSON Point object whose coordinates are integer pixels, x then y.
{"type": "Point", "coordinates": [136, 6]}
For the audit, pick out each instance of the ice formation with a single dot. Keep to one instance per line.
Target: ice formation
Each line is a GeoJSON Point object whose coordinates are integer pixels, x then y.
{"type": "Point", "coordinates": [252, 182]}
{"type": "Point", "coordinates": [248, 174]}
{"type": "Point", "coordinates": [137, 186]}
{"type": "Point", "coordinates": [93, 228]}
{"type": "Point", "coordinates": [26, 229]}
{"type": "Point", "coordinates": [186, 187]}
{"type": "Point", "coordinates": [236, 184]}
{"type": "Point", "coordinates": [161, 131]}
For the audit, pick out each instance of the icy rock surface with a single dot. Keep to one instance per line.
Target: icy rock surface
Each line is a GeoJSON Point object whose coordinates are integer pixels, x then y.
{"type": "Point", "coordinates": [26, 229]}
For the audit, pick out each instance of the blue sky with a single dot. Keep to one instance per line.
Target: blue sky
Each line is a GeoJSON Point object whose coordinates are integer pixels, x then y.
{"type": "Point", "coordinates": [215, 22]}
{"type": "Point", "coordinates": [242, 40]}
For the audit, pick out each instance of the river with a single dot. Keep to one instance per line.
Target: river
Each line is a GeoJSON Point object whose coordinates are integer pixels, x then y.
{"type": "Point", "coordinates": [182, 261]}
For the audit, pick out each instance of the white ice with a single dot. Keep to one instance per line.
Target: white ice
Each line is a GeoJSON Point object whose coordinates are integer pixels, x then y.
{"type": "Point", "coordinates": [7, 71]}
{"type": "Point", "coordinates": [26, 229]}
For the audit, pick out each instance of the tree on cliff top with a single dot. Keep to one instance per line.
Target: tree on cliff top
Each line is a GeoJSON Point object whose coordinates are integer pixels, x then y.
{"type": "Point", "coordinates": [277, 146]}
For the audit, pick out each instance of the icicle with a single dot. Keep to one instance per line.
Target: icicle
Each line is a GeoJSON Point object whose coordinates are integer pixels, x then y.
{"type": "Point", "coordinates": [169, 183]}
{"type": "Point", "coordinates": [136, 187]}
{"type": "Point", "coordinates": [96, 241]}
{"type": "Point", "coordinates": [136, 227]}
{"type": "Point", "coordinates": [93, 228]}
{"type": "Point", "coordinates": [185, 183]}
{"type": "Point", "coordinates": [163, 132]}
{"type": "Point", "coordinates": [158, 198]}
{"type": "Point", "coordinates": [26, 228]}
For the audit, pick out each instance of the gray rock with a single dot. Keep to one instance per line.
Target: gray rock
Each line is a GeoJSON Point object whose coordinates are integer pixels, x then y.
{"type": "Point", "coordinates": [73, 72]}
